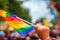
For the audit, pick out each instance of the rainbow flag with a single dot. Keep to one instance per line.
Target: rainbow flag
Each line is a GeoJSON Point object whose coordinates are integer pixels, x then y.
{"type": "Point", "coordinates": [53, 10]}
{"type": "Point", "coordinates": [17, 23]}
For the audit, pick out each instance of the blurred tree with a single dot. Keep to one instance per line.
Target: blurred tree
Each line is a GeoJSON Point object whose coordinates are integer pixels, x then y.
{"type": "Point", "coordinates": [40, 20]}
{"type": "Point", "coordinates": [15, 7]}
{"type": "Point", "coordinates": [53, 22]}
{"type": "Point", "coordinates": [58, 5]}
{"type": "Point", "coordinates": [1, 19]}
{"type": "Point", "coordinates": [3, 4]}
{"type": "Point", "coordinates": [54, 0]}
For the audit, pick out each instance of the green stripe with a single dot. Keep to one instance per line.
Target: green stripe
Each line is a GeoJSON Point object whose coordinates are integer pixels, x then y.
{"type": "Point", "coordinates": [22, 29]}
{"type": "Point", "coordinates": [27, 27]}
{"type": "Point", "coordinates": [7, 14]}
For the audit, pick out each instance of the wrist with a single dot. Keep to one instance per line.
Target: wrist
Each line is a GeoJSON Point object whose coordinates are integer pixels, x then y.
{"type": "Point", "coordinates": [45, 38]}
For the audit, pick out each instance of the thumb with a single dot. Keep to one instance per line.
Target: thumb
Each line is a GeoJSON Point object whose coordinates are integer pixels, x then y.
{"type": "Point", "coordinates": [37, 26]}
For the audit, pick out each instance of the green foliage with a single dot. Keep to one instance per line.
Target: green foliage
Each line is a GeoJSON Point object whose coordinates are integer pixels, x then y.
{"type": "Point", "coordinates": [54, 0]}
{"type": "Point", "coordinates": [3, 4]}
{"type": "Point", "coordinates": [40, 20]}
{"type": "Point", "coordinates": [53, 21]}
{"type": "Point", "coordinates": [15, 7]}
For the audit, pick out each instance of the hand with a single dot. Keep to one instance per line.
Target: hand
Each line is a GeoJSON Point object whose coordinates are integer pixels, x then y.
{"type": "Point", "coordinates": [42, 31]}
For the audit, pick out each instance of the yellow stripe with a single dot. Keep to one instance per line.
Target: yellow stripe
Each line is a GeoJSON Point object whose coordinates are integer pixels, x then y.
{"type": "Point", "coordinates": [3, 14]}
{"type": "Point", "coordinates": [16, 24]}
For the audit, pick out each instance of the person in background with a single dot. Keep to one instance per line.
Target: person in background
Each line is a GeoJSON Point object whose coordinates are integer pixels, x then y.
{"type": "Point", "coordinates": [53, 35]}
{"type": "Point", "coordinates": [28, 38]}
{"type": "Point", "coordinates": [2, 35]}
{"type": "Point", "coordinates": [7, 35]}
{"type": "Point", "coordinates": [33, 35]}
{"type": "Point", "coordinates": [14, 38]}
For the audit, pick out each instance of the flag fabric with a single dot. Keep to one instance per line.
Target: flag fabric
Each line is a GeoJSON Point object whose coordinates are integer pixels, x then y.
{"type": "Point", "coordinates": [15, 22]}
{"type": "Point", "coordinates": [53, 10]}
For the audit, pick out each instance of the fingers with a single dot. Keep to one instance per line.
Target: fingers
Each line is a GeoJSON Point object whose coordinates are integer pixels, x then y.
{"type": "Point", "coordinates": [42, 31]}
{"type": "Point", "coordinates": [38, 26]}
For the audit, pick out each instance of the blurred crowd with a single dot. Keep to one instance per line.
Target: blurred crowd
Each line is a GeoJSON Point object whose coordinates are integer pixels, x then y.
{"type": "Point", "coordinates": [13, 35]}
{"type": "Point", "coordinates": [55, 32]}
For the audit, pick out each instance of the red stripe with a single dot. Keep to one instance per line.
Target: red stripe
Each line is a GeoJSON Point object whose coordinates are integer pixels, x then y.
{"type": "Point", "coordinates": [9, 18]}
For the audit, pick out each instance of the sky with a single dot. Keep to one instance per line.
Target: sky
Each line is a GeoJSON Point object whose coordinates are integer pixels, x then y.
{"type": "Point", "coordinates": [38, 9]}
